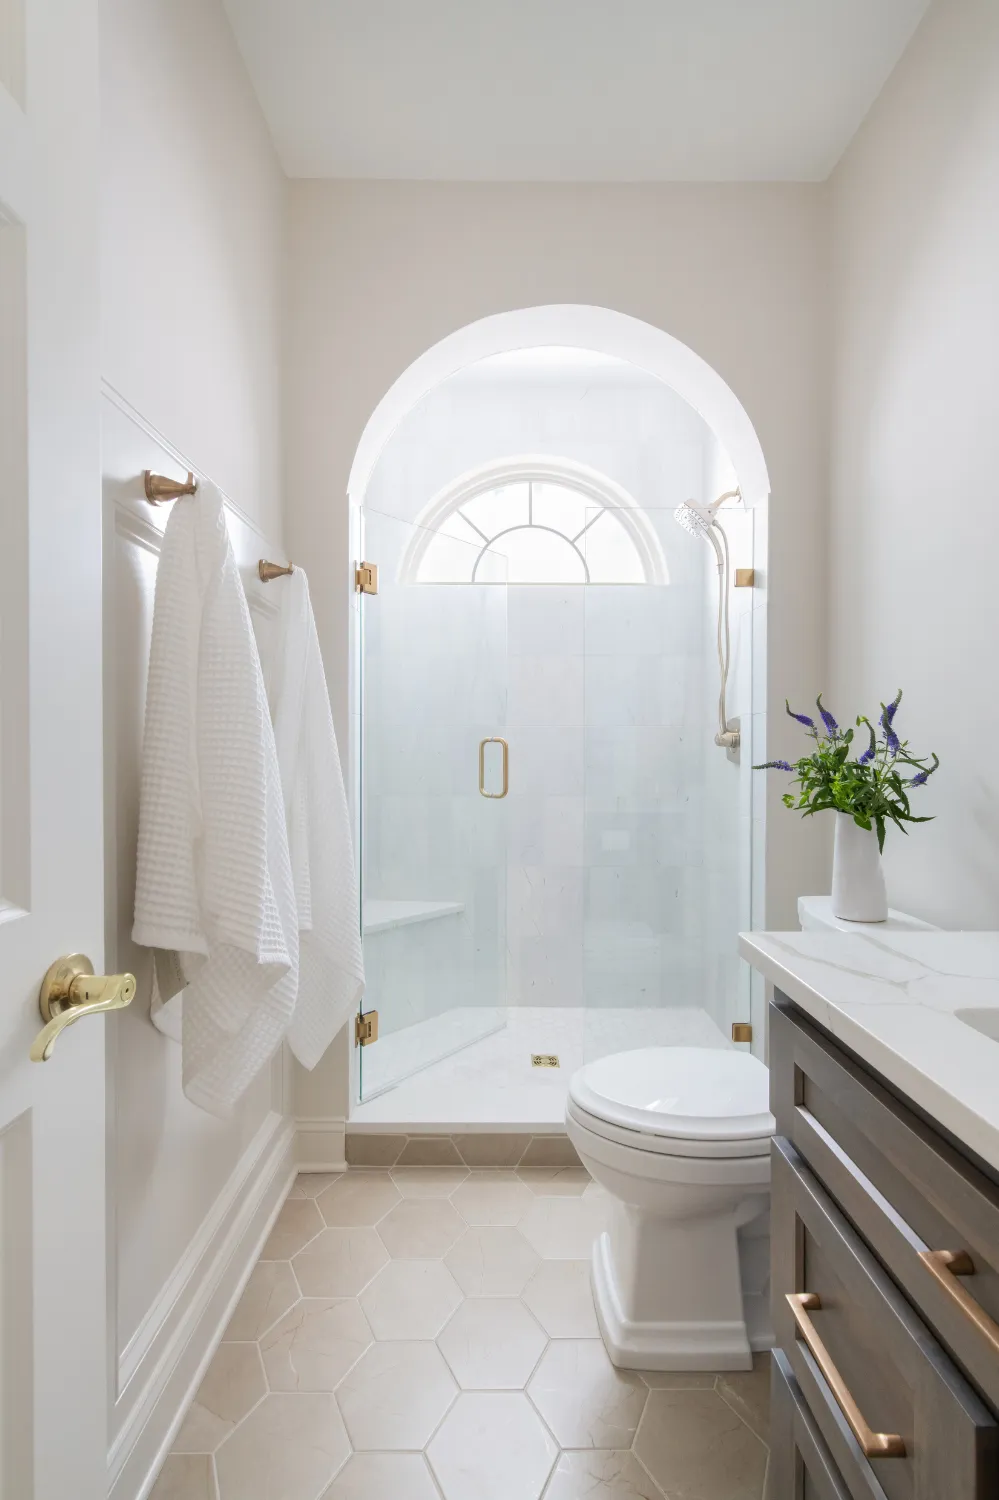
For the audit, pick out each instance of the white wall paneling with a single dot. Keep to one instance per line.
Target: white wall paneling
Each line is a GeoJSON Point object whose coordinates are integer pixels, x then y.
{"type": "Point", "coordinates": [190, 1197]}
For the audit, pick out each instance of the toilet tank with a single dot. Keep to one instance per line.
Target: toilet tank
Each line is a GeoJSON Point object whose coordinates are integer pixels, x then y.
{"type": "Point", "coordinates": [815, 914]}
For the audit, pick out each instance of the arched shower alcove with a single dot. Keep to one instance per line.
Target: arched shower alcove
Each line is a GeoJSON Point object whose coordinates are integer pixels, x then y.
{"type": "Point", "coordinates": [431, 1068]}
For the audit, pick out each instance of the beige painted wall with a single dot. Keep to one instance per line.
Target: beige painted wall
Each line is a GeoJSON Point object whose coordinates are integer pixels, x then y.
{"type": "Point", "coordinates": [378, 272]}
{"type": "Point", "coordinates": [915, 445]}
{"type": "Point", "coordinates": [193, 239]}
{"type": "Point", "coordinates": [192, 216]}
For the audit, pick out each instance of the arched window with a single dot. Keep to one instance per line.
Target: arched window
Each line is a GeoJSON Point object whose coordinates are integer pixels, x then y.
{"type": "Point", "coordinates": [534, 520]}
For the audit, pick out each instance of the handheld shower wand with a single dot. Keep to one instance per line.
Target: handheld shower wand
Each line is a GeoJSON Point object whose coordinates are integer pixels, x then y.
{"type": "Point", "coordinates": [700, 520]}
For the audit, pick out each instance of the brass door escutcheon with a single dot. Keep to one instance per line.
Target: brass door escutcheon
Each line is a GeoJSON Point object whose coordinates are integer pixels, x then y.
{"type": "Point", "coordinates": [71, 990]}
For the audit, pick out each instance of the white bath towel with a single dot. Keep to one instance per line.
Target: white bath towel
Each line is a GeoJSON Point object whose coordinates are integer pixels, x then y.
{"type": "Point", "coordinates": [213, 882]}
{"type": "Point", "coordinates": [331, 968]}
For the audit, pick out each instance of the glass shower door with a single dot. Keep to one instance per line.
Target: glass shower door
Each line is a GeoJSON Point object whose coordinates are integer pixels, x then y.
{"type": "Point", "coordinates": [667, 823]}
{"type": "Point", "coordinates": [434, 774]}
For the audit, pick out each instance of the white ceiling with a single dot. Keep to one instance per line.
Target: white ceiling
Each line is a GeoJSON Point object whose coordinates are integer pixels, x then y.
{"type": "Point", "coordinates": [568, 90]}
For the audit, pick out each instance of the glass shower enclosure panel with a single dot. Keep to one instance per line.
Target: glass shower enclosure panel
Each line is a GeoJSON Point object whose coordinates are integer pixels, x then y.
{"type": "Point", "coordinates": [665, 823]}
{"type": "Point", "coordinates": [434, 775]}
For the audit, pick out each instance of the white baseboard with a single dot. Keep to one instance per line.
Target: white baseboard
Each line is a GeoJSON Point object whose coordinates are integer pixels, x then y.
{"type": "Point", "coordinates": [164, 1362]}
{"type": "Point", "coordinates": [320, 1145]}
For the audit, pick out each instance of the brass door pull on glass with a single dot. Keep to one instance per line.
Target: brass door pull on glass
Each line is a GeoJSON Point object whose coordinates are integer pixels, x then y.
{"type": "Point", "coordinates": [873, 1444]}
{"type": "Point", "coordinates": [945, 1266]}
{"type": "Point", "coordinates": [71, 990]}
{"type": "Point", "coordinates": [494, 740]}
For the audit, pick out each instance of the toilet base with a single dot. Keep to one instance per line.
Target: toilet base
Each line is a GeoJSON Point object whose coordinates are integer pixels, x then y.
{"type": "Point", "coordinates": [711, 1343]}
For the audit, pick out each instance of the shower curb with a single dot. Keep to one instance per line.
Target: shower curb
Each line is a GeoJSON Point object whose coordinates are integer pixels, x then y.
{"type": "Point", "coordinates": [462, 1149]}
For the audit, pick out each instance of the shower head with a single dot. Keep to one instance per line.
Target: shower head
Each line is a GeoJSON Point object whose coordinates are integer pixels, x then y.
{"type": "Point", "coordinates": [694, 518]}
{"type": "Point", "coordinates": [699, 519]}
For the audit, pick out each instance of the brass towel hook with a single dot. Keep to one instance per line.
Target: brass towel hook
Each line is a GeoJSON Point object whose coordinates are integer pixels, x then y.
{"type": "Point", "coordinates": [269, 571]}
{"type": "Point", "coordinates": [159, 488]}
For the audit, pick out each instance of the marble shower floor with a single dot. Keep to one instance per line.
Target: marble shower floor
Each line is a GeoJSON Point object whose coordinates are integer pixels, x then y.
{"type": "Point", "coordinates": [427, 1333]}
{"type": "Point", "coordinates": [491, 1082]}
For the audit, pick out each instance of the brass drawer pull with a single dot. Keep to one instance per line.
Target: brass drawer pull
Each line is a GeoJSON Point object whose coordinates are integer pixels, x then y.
{"type": "Point", "coordinates": [945, 1266]}
{"type": "Point", "coordinates": [873, 1444]}
{"type": "Point", "coordinates": [494, 740]}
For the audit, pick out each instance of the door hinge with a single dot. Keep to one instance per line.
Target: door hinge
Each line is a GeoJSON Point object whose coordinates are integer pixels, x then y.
{"type": "Point", "coordinates": [742, 1031]}
{"type": "Point", "coordinates": [365, 1028]}
{"type": "Point", "coordinates": [366, 578]}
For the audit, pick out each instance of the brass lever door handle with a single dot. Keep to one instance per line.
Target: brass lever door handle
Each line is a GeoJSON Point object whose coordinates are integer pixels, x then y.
{"type": "Point", "coordinates": [71, 990]}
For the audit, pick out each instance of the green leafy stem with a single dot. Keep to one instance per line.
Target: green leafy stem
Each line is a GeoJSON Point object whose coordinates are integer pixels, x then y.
{"type": "Point", "coordinates": [874, 788]}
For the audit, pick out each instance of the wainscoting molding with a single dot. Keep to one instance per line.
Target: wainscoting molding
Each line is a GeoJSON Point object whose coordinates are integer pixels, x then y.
{"type": "Point", "coordinates": [320, 1144]}
{"type": "Point", "coordinates": [164, 1362]}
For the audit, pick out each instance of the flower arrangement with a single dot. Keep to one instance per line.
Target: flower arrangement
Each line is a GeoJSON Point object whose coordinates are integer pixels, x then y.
{"type": "Point", "coordinates": [872, 789]}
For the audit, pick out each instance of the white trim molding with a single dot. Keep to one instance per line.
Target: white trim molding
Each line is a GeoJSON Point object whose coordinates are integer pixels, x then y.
{"type": "Point", "coordinates": [320, 1144]}
{"type": "Point", "coordinates": [165, 1361]}
{"type": "Point", "coordinates": [573, 326]}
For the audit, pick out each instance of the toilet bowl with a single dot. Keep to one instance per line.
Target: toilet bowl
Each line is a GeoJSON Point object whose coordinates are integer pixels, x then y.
{"type": "Point", "coordinates": [680, 1139]}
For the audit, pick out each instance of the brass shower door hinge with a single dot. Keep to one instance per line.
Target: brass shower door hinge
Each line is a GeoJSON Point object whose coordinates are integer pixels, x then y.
{"type": "Point", "coordinates": [742, 1031]}
{"type": "Point", "coordinates": [366, 578]}
{"type": "Point", "coordinates": [365, 1028]}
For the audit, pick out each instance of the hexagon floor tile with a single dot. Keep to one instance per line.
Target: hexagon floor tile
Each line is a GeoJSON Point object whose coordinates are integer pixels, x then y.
{"type": "Point", "coordinates": [586, 1402]}
{"type": "Point", "coordinates": [559, 1296]}
{"type": "Point", "coordinates": [492, 1262]}
{"type": "Point", "coordinates": [289, 1446]}
{"type": "Point", "coordinates": [492, 1344]}
{"type": "Point", "coordinates": [312, 1347]}
{"type": "Point", "coordinates": [358, 1198]}
{"type": "Point", "coordinates": [420, 1229]}
{"type": "Point", "coordinates": [298, 1222]}
{"type": "Point", "coordinates": [267, 1296]}
{"type": "Point", "coordinates": [410, 1299]}
{"type": "Point", "coordinates": [492, 1446]}
{"type": "Point", "coordinates": [384, 1476]}
{"type": "Point", "coordinates": [400, 1354]}
{"type": "Point", "coordinates": [693, 1444]}
{"type": "Point", "coordinates": [395, 1396]}
{"type": "Point", "coordinates": [234, 1382]}
{"type": "Point", "coordinates": [601, 1475]}
{"type": "Point", "coordinates": [339, 1262]}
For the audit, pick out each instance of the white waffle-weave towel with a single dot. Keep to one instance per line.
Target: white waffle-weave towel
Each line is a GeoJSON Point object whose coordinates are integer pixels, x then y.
{"type": "Point", "coordinates": [214, 877]}
{"type": "Point", "coordinates": [331, 968]}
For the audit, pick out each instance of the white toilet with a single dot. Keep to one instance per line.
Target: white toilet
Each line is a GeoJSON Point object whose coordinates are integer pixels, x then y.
{"type": "Point", "coordinates": [680, 1138]}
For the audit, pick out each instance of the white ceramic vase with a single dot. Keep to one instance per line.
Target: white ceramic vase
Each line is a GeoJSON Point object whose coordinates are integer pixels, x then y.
{"type": "Point", "coordinates": [858, 883]}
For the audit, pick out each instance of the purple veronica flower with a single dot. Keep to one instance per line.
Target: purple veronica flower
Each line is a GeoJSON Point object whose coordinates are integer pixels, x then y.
{"type": "Point", "coordinates": [774, 765]}
{"type": "Point", "coordinates": [920, 780]}
{"type": "Point", "coordinates": [892, 741]}
{"type": "Point", "coordinates": [801, 718]}
{"type": "Point", "coordinates": [889, 712]}
{"type": "Point", "coordinates": [871, 751]}
{"type": "Point", "coordinates": [832, 728]}
{"type": "Point", "coordinates": [867, 757]}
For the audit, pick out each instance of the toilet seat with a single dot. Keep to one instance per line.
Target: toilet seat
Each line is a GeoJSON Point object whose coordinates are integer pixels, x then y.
{"type": "Point", "coordinates": [676, 1101]}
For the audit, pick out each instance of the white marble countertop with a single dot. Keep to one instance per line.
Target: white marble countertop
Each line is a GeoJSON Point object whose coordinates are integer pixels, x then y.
{"type": "Point", "coordinates": [902, 1001]}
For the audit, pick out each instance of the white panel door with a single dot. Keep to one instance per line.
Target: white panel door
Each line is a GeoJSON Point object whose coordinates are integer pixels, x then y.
{"type": "Point", "coordinates": [53, 1438]}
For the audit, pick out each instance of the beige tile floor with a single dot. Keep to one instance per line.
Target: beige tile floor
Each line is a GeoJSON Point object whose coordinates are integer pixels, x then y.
{"type": "Point", "coordinates": [427, 1333]}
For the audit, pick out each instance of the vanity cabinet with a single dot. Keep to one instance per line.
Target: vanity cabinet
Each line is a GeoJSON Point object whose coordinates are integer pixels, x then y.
{"type": "Point", "coordinates": [885, 1275]}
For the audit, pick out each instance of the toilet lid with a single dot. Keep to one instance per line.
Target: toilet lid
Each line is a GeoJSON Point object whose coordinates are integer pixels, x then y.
{"type": "Point", "coordinates": [685, 1093]}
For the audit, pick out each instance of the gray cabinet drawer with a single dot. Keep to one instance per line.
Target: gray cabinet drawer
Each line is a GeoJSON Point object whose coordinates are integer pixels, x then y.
{"type": "Point", "coordinates": [910, 1193]}
{"type": "Point", "coordinates": [801, 1466]}
{"type": "Point", "coordinates": [877, 1353]}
